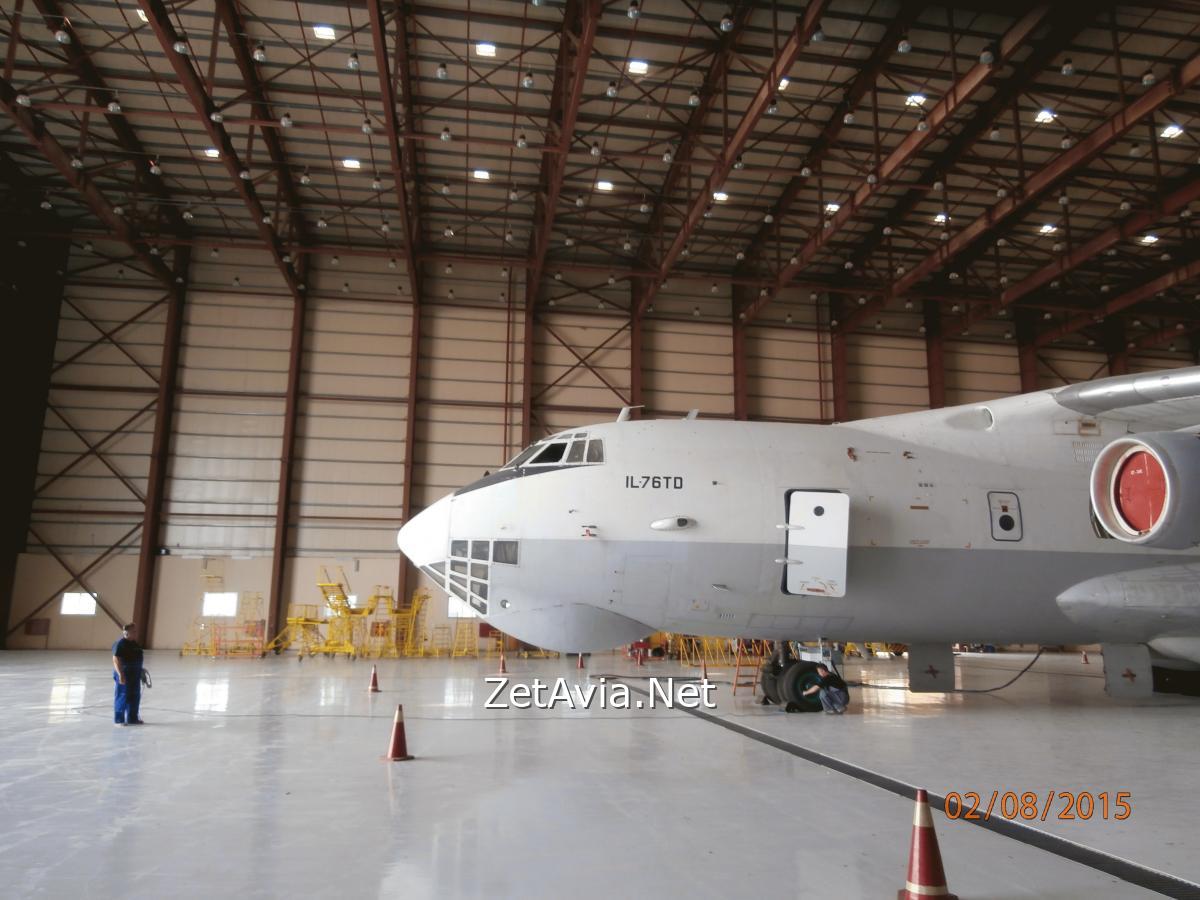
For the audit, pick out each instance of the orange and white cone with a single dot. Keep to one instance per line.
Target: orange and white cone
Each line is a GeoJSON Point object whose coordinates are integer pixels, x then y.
{"type": "Point", "coordinates": [704, 669]}
{"type": "Point", "coordinates": [374, 688]}
{"type": "Point", "coordinates": [1085, 659]}
{"type": "Point", "coordinates": [398, 751]}
{"type": "Point", "coordinates": [579, 665]}
{"type": "Point", "coordinates": [926, 878]}
{"type": "Point", "coordinates": [503, 667]}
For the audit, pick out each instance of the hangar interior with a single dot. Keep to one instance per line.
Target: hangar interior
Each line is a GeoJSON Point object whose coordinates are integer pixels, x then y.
{"type": "Point", "coordinates": [284, 274]}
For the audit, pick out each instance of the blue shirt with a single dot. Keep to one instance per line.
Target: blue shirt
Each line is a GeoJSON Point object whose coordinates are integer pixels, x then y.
{"type": "Point", "coordinates": [128, 652]}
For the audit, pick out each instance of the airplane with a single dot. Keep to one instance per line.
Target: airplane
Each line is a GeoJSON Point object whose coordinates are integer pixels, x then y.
{"type": "Point", "coordinates": [1065, 516]}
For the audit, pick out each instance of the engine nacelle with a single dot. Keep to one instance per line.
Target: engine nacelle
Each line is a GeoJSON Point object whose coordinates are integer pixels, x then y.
{"type": "Point", "coordinates": [1146, 489]}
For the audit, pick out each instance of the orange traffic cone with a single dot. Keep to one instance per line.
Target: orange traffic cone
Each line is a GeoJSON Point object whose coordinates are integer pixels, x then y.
{"type": "Point", "coordinates": [926, 878]}
{"type": "Point", "coordinates": [1085, 659]}
{"type": "Point", "coordinates": [579, 665]}
{"type": "Point", "coordinates": [503, 667]}
{"type": "Point", "coordinates": [638, 651]}
{"type": "Point", "coordinates": [398, 751]}
{"type": "Point", "coordinates": [374, 688]}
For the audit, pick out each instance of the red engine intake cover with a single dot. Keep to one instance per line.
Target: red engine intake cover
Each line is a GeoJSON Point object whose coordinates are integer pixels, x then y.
{"type": "Point", "coordinates": [1141, 491]}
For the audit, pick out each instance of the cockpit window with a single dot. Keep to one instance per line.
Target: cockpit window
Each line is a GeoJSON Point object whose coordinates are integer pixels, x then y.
{"type": "Point", "coordinates": [595, 451]}
{"type": "Point", "coordinates": [550, 454]}
{"type": "Point", "coordinates": [575, 454]}
{"type": "Point", "coordinates": [522, 457]}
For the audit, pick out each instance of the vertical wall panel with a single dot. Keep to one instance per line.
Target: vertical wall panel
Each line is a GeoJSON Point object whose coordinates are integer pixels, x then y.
{"type": "Point", "coordinates": [976, 371]}
{"type": "Point", "coordinates": [886, 375]}
{"type": "Point", "coordinates": [688, 365]}
{"type": "Point", "coordinates": [784, 369]}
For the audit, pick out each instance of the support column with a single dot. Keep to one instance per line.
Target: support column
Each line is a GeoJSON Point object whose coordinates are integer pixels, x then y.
{"type": "Point", "coordinates": [531, 291]}
{"type": "Point", "coordinates": [741, 391]}
{"type": "Point", "coordinates": [33, 271]}
{"type": "Point", "coordinates": [1027, 350]}
{"type": "Point", "coordinates": [164, 415]}
{"type": "Point", "coordinates": [839, 364]}
{"type": "Point", "coordinates": [935, 361]}
{"type": "Point", "coordinates": [277, 605]}
{"type": "Point", "coordinates": [1115, 347]}
{"type": "Point", "coordinates": [410, 441]}
{"type": "Point", "coordinates": [635, 351]}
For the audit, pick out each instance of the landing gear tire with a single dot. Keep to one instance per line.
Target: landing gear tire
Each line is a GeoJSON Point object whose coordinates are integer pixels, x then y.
{"type": "Point", "coordinates": [769, 679]}
{"type": "Point", "coordinates": [794, 681]}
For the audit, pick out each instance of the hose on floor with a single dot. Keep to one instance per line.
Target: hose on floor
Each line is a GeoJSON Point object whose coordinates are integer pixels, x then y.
{"type": "Point", "coordinates": [999, 687]}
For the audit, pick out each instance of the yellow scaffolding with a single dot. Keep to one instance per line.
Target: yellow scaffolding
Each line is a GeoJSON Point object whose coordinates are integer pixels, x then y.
{"type": "Point", "coordinates": [409, 624]}
{"type": "Point", "coordinates": [440, 644]}
{"type": "Point", "coordinates": [466, 638]}
{"type": "Point", "coordinates": [303, 627]}
{"type": "Point", "coordinates": [200, 641]}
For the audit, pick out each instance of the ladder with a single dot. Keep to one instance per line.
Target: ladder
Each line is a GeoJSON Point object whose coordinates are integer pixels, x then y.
{"type": "Point", "coordinates": [466, 640]}
{"type": "Point", "coordinates": [441, 640]}
{"type": "Point", "coordinates": [749, 660]}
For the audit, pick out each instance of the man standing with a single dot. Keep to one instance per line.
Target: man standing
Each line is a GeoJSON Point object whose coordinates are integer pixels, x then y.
{"type": "Point", "coordinates": [832, 691]}
{"type": "Point", "coordinates": [127, 673]}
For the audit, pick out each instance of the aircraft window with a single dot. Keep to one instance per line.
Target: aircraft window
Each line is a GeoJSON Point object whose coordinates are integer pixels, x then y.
{"type": "Point", "coordinates": [479, 550]}
{"type": "Point", "coordinates": [521, 457]}
{"type": "Point", "coordinates": [479, 606]}
{"type": "Point", "coordinates": [458, 548]}
{"type": "Point", "coordinates": [595, 451]}
{"type": "Point", "coordinates": [479, 570]}
{"type": "Point", "coordinates": [505, 552]}
{"type": "Point", "coordinates": [438, 567]}
{"type": "Point", "coordinates": [576, 453]}
{"type": "Point", "coordinates": [458, 592]}
{"type": "Point", "coordinates": [458, 566]}
{"type": "Point", "coordinates": [479, 589]}
{"type": "Point", "coordinates": [458, 579]}
{"type": "Point", "coordinates": [580, 434]}
{"type": "Point", "coordinates": [550, 454]}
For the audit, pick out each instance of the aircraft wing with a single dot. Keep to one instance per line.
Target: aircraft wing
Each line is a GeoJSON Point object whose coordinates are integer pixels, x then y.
{"type": "Point", "coordinates": [1164, 401]}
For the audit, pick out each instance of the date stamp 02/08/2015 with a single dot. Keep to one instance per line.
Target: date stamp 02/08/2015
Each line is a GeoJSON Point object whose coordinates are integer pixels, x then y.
{"type": "Point", "coordinates": [1030, 806]}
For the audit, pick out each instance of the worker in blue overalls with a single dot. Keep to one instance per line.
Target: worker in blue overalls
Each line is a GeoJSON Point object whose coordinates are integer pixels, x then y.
{"type": "Point", "coordinates": [127, 673]}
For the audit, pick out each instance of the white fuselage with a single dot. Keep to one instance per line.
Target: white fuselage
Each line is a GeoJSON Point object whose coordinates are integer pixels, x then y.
{"type": "Point", "coordinates": [925, 562]}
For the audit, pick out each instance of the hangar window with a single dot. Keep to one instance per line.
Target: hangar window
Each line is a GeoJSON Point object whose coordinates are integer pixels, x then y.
{"type": "Point", "coordinates": [550, 454]}
{"type": "Point", "coordinates": [220, 603]}
{"type": "Point", "coordinates": [595, 451]}
{"type": "Point", "coordinates": [505, 552]}
{"type": "Point", "coordinates": [78, 603]}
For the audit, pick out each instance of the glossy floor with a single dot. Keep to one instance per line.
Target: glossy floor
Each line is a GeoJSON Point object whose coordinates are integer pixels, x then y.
{"type": "Point", "coordinates": [264, 778]}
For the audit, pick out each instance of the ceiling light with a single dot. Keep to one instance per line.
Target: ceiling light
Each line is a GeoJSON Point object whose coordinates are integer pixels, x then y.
{"type": "Point", "coordinates": [831, 208]}
{"type": "Point", "coordinates": [24, 100]}
{"type": "Point", "coordinates": [611, 90]}
{"type": "Point", "coordinates": [915, 100]}
{"type": "Point", "coordinates": [1044, 116]}
{"type": "Point", "coordinates": [995, 134]}
{"type": "Point", "coordinates": [188, 215]}
{"type": "Point", "coordinates": [141, 14]}
{"type": "Point", "coordinates": [1148, 78]}
{"type": "Point", "coordinates": [1135, 150]}
{"type": "Point", "coordinates": [212, 152]}
{"type": "Point", "coordinates": [512, 194]}
{"type": "Point", "coordinates": [527, 80]}
{"type": "Point", "coordinates": [769, 218]}
{"type": "Point", "coordinates": [987, 56]}
{"type": "Point", "coordinates": [260, 53]}
{"type": "Point", "coordinates": [772, 107]}
{"type": "Point", "coordinates": [114, 106]}
{"type": "Point", "coordinates": [905, 45]}
{"type": "Point", "coordinates": [739, 163]}
{"type": "Point", "coordinates": [922, 124]}
{"type": "Point", "coordinates": [155, 168]}
{"type": "Point", "coordinates": [819, 35]}
{"type": "Point", "coordinates": [638, 67]}
{"type": "Point", "coordinates": [522, 142]}
{"type": "Point", "coordinates": [324, 33]}
{"type": "Point", "coordinates": [62, 36]}
{"type": "Point", "coordinates": [445, 189]}
{"type": "Point", "coordinates": [848, 119]}
{"type": "Point", "coordinates": [720, 196]}
{"type": "Point", "coordinates": [366, 126]}
{"type": "Point", "coordinates": [1171, 131]}
{"type": "Point", "coordinates": [627, 245]}
{"type": "Point", "coordinates": [482, 175]}
{"type": "Point", "coordinates": [445, 135]}
{"type": "Point", "coordinates": [245, 175]}
{"type": "Point", "coordinates": [727, 23]}
{"type": "Point", "coordinates": [668, 156]}
{"type": "Point", "coordinates": [448, 231]}
{"type": "Point", "coordinates": [508, 237]}
{"type": "Point", "coordinates": [579, 201]}
{"type": "Point", "coordinates": [442, 72]}
{"type": "Point", "coordinates": [1149, 239]}
{"type": "Point", "coordinates": [285, 121]}
{"type": "Point", "coordinates": [216, 116]}
{"type": "Point", "coordinates": [604, 185]}
{"type": "Point", "coordinates": [1068, 67]}
{"type": "Point", "coordinates": [181, 47]}
{"type": "Point", "coordinates": [305, 178]}
{"type": "Point", "coordinates": [694, 98]}
{"type": "Point", "coordinates": [46, 204]}
{"type": "Point", "coordinates": [1067, 142]}
{"type": "Point", "coordinates": [76, 162]}
{"type": "Point", "coordinates": [612, 279]}
{"type": "Point", "coordinates": [352, 62]}
{"type": "Point", "coordinates": [783, 84]}
{"type": "Point", "coordinates": [595, 151]}
{"type": "Point", "coordinates": [485, 48]}
{"type": "Point", "coordinates": [1047, 229]}
{"type": "Point", "coordinates": [805, 171]}
{"type": "Point", "coordinates": [941, 218]}
{"type": "Point", "coordinates": [635, 9]}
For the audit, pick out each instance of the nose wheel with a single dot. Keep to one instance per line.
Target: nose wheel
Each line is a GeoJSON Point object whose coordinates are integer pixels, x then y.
{"type": "Point", "coordinates": [784, 685]}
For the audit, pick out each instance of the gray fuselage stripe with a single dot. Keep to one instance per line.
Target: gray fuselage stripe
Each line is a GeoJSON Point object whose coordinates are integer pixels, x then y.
{"type": "Point", "coordinates": [1127, 871]}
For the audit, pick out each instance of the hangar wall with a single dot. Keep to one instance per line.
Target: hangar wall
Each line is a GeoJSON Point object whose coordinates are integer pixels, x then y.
{"type": "Point", "coordinates": [348, 488]}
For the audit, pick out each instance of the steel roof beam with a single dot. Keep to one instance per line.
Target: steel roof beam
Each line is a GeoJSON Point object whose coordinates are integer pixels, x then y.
{"type": "Point", "coordinates": [800, 35]}
{"type": "Point", "coordinates": [1127, 229]}
{"type": "Point", "coordinates": [957, 97]}
{"type": "Point", "coordinates": [866, 78]}
{"type": "Point", "coordinates": [1041, 182]}
{"type": "Point", "coordinates": [37, 135]}
{"type": "Point", "coordinates": [160, 22]}
{"type": "Point", "coordinates": [408, 219]}
{"type": "Point", "coordinates": [580, 22]}
{"type": "Point", "coordinates": [1132, 297]}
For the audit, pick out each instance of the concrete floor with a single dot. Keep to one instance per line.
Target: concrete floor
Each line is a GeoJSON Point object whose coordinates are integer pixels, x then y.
{"type": "Point", "coordinates": [264, 778]}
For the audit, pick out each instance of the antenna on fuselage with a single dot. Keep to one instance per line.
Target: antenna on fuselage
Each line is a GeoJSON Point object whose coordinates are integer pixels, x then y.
{"type": "Point", "coordinates": [626, 411]}
{"type": "Point", "coordinates": [692, 415]}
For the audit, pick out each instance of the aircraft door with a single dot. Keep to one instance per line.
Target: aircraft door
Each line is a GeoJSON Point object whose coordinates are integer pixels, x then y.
{"type": "Point", "coordinates": [818, 536]}
{"type": "Point", "coordinates": [1005, 511]}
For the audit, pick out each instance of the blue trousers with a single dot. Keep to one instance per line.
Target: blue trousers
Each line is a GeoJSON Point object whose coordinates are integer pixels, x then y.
{"type": "Point", "coordinates": [128, 696]}
{"type": "Point", "coordinates": [833, 699]}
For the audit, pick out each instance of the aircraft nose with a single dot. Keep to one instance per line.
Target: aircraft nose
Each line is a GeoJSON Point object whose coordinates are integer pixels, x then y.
{"type": "Point", "coordinates": [423, 538]}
